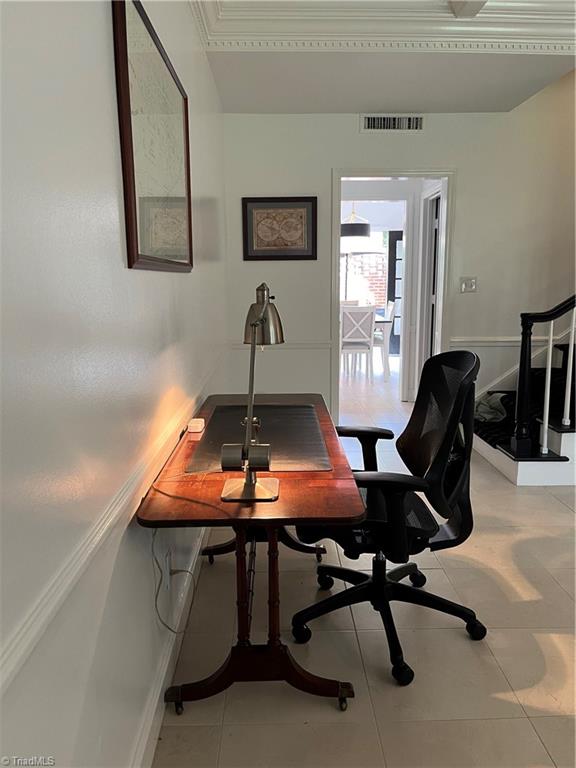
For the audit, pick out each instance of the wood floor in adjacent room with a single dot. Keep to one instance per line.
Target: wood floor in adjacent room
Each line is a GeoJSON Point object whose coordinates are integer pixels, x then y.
{"type": "Point", "coordinates": [505, 702]}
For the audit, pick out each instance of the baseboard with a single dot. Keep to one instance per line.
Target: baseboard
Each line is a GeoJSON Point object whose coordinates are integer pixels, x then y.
{"type": "Point", "coordinates": [153, 715]}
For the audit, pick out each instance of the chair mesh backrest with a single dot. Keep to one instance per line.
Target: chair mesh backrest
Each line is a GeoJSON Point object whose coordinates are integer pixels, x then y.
{"type": "Point", "coordinates": [437, 441]}
{"type": "Point", "coordinates": [357, 324]}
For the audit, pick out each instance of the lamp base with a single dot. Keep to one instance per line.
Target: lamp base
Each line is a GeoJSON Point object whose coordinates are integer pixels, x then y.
{"type": "Point", "coordinates": [265, 489]}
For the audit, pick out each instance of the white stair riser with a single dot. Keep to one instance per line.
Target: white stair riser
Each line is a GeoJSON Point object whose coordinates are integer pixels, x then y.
{"type": "Point", "coordinates": [528, 472]}
{"type": "Point", "coordinates": [562, 443]}
{"type": "Point", "coordinates": [545, 473]}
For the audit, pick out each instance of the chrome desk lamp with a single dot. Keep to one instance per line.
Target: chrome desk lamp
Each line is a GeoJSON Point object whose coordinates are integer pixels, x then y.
{"type": "Point", "coordinates": [263, 327]}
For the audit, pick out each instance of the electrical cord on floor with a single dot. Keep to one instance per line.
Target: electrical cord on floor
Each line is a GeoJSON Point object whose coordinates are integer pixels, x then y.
{"type": "Point", "coordinates": [158, 586]}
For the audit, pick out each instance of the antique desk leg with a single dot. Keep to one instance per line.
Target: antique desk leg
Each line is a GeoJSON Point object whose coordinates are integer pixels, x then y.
{"type": "Point", "coordinates": [282, 662]}
{"type": "Point", "coordinates": [251, 663]}
{"type": "Point", "coordinates": [226, 674]}
{"type": "Point", "coordinates": [284, 537]}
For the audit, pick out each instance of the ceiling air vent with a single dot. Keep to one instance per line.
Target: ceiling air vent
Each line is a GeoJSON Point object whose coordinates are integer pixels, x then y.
{"type": "Point", "coordinates": [372, 123]}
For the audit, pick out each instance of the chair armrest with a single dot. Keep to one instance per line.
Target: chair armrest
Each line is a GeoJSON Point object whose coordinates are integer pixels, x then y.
{"type": "Point", "coordinates": [368, 437]}
{"type": "Point", "coordinates": [390, 481]}
{"type": "Point", "coordinates": [378, 433]}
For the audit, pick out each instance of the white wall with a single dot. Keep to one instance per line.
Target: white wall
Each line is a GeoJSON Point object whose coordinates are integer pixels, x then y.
{"type": "Point", "coordinates": [101, 366]}
{"type": "Point", "coordinates": [513, 220]}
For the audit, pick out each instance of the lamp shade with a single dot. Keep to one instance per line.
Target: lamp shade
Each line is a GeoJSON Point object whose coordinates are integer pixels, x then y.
{"type": "Point", "coordinates": [264, 316]}
{"type": "Point", "coordinates": [355, 229]}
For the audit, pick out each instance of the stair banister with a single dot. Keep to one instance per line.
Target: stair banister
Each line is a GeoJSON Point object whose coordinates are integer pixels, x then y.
{"type": "Point", "coordinates": [569, 367]}
{"type": "Point", "coordinates": [521, 443]}
{"type": "Point", "coordinates": [546, 409]}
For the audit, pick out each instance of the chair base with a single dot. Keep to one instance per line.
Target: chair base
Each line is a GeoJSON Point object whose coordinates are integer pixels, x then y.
{"type": "Point", "coordinates": [380, 589]}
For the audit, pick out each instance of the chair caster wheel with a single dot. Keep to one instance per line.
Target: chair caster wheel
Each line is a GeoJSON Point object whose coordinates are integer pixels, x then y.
{"type": "Point", "coordinates": [343, 703]}
{"type": "Point", "coordinates": [211, 559]}
{"type": "Point", "coordinates": [476, 630]}
{"type": "Point", "coordinates": [318, 557]}
{"type": "Point", "coordinates": [301, 633]}
{"type": "Point", "coordinates": [417, 579]}
{"type": "Point", "coordinates": [325, 581]}
{"type": "Point", "coordinates": [402, 673]}
{"type": "Point", "coordinates": [178, 707]}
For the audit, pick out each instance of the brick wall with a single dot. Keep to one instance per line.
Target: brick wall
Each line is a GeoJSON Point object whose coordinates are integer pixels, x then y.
{"type": "Point", "coordinates": [367, 278]}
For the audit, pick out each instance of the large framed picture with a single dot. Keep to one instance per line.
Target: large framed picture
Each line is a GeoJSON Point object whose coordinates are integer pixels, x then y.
{"type": "Point", "coordinates": [153, 114]}
{"type": "Point", "coordinates": [279, 228]}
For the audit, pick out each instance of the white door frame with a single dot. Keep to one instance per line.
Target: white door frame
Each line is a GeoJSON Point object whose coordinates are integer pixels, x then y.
{"type": "Point", "coordinates": [410, 341]}
{"type": "Point", "coordinates": [438, 189]}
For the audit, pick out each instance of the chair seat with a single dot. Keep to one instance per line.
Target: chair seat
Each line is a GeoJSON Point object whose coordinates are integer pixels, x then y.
{"type": "Point", "coordinates": [352, 346]}
{"type": "Point", "coordinates": [421, 526]}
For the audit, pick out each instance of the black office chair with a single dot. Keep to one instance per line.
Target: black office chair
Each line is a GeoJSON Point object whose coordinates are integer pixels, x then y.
{"type": "Point", "coordinates": [436, 447]}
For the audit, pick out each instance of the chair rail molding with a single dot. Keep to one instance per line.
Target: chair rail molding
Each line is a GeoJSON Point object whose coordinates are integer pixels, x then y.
{"type": "Point", "coordinates": [496, 341]}
{"type": "Point", "coordinates": [506, 378]}
{"type": "Point", "coordinates": [22, 641]}
{"type": "Point", "coordinates": [287, 345]}
{"type": "Point", "coordinates": [506, 26]}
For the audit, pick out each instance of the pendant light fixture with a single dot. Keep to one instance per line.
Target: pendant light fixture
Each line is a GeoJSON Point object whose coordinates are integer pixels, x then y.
{"type": "Point", "coordinates": [354, 225]}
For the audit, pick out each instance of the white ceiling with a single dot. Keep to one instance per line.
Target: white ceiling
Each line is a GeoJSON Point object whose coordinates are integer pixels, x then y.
{"type": "Point", "coordinates": [349, 56]}
{"type": "Point", "coordinates": [338, 82]}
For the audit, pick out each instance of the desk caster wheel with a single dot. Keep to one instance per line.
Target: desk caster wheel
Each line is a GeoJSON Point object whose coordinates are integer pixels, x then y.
{"type": "Point", "coordinates": [417, 579]}
{"type": "Point", "coordinates": [476, 630]}
{"type": "Point", "coordinates": [178, 707]}
{"type": "Point", "coordinates": [301, 633]}
{"type": "Point", "coordinates": [402, 673]}
{"type": "Point", "coordinates": [343, 703]}
{"type": "Point", "coordinates": [211, 559]}
{"type": "Point", "coordinates": [325, 581]}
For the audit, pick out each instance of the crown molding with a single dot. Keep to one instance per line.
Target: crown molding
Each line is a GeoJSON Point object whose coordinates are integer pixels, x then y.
{"type": "Point", "coordinates": [541, 26]}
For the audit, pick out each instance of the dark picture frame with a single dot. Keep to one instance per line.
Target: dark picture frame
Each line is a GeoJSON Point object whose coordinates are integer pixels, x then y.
{"type": "Point", "coordinates": [176, 255]}
{"type": "Point", "coordinates": [279, 228]}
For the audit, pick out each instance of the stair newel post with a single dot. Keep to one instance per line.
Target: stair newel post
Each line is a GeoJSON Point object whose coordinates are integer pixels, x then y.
{"type": "Point", "coordinates": [521, 442]}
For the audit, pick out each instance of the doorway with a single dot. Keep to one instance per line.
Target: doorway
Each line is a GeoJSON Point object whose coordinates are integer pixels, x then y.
{"type": "Point", "coordinates": [395, 275]}
{"type": "Point", "coordinates": [397, 267]}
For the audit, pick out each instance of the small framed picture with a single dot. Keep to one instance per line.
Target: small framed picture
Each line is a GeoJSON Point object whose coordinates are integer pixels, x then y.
{"type": "Point", "coordinates": [279, 228]}
{"type": "Point", "coordinates": [164, 227]}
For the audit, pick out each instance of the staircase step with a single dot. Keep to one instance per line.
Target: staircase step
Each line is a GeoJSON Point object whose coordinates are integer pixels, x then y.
{"type": "Point", "coordinates": [557, 426]}
{"type": "Point", "coordinates": [535, 456]}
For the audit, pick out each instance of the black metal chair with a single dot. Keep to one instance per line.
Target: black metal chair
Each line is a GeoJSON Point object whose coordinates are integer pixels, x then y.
{"type": "Point", "coordinates": [436, 447]}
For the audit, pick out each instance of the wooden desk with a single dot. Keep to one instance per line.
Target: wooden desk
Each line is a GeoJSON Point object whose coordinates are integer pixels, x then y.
{"type": "Point", "coordinates": [180, 499]}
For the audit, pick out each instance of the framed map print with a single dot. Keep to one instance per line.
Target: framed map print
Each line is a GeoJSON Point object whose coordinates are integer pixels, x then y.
{"type": "Point", "coordinates": [279, 228]}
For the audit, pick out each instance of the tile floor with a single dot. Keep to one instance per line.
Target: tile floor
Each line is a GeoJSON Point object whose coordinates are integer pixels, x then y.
{"type": "Point", "coordinates": [505, 702]}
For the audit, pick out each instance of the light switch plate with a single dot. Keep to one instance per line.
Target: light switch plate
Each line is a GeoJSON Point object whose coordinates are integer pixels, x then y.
{"type": "Point", "coordinates": [467, 285]}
